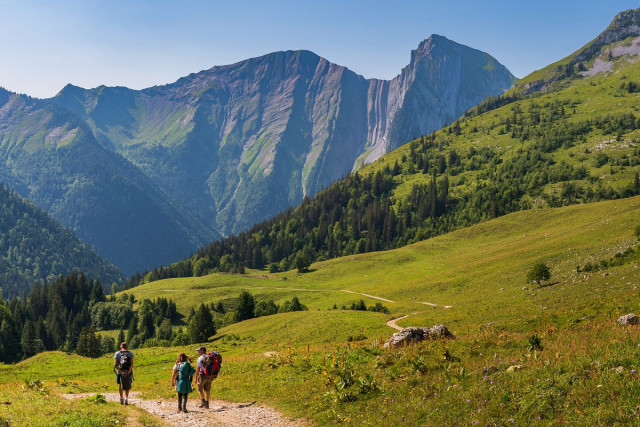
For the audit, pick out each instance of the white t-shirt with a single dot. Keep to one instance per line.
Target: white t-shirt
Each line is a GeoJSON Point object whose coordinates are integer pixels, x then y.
{"type": "Point", "coordinates": [200, 363]}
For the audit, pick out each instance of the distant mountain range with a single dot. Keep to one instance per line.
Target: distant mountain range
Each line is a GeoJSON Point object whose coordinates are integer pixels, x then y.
{"type": "Point", "coordinates": [34, 247]}
{"type": "Point", "coordinates": [147, 176]}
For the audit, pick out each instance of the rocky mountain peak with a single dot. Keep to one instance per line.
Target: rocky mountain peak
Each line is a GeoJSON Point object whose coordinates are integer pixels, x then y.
{"type": "Point", "coordinates": [625, 24]}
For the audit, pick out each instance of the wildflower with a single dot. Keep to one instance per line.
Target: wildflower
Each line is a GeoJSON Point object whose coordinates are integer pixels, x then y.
{"type": "Point", "coordinates": [633, 371]}
{"type": "Point", "coordinates": [511, 420]}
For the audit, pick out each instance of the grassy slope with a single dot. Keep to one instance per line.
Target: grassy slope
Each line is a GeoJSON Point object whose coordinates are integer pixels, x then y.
{"type": "Point", "coordinates": [582, 376]}
{"type": "Point", "coordinates": [587, 97]}
{"type": "Point", "coordinates": [465, 269]}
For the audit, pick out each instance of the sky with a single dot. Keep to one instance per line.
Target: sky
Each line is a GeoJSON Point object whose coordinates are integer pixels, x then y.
{"type": "Point", "coordinates": [141, 43]}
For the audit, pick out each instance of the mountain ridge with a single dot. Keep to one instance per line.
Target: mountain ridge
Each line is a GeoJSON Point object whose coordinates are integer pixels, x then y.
{"type": "Point", "coordinates": [288, 119]}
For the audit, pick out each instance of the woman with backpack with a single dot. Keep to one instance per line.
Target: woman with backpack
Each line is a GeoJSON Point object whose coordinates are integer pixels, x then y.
{"type": "Point", "coordinates": [183, 372]}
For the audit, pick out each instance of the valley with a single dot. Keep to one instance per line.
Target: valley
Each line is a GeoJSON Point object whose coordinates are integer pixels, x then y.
{"type": "Point", "coordinates": [505, 231]}
{"type": "Point", "coordinates": [495, 311]}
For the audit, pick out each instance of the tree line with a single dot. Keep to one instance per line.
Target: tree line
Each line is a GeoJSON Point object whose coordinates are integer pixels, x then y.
{"type": "Point", "coordinates": [67, 314]}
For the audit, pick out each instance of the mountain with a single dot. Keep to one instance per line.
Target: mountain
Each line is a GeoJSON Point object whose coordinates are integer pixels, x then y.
{"type": "Point", "coordinates": [35, 247]}
{"type": "Point", "coordinates": [593, 58]}
{"type": "Point", "coordinates": [50, 156]}
{"type": "Point", "coordinates": [239, 143]}
{"type": "Point", "coordinates": [574, 140]}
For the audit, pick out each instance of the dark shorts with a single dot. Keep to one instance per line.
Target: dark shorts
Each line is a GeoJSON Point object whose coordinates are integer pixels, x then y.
{"type": "Point", "coordinates": [124, 380]}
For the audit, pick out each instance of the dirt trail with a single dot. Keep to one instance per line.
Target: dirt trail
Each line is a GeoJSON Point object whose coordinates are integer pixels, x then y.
{"type": "Point", "coordinates": [221, 413]}
{"type": "Point", "coordinates": [435, 305]}
{"type": "Point", "coordinates": [367, 295]}
{"type": "Point", "coordinates": [392, 322]}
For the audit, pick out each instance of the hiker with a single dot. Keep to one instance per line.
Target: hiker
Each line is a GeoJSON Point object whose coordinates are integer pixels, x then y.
{"type": "Point", "coordinates": [123, 366]}
{"type": "Point", "coordinates": [207, 369]}
{"type": "Point", "coordinates": [183, 371]}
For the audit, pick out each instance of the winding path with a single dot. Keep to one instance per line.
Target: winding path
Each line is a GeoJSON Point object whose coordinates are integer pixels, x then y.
{"type": "Point", "coordinates": [221, 413]}
{"type": "Point", "coordinates": [392, 322]}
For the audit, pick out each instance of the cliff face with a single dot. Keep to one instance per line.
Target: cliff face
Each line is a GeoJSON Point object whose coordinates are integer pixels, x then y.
{"type": "Point", "coordinates": [238, 143]}
{"type": "Point", "coordinates": [148, 176]}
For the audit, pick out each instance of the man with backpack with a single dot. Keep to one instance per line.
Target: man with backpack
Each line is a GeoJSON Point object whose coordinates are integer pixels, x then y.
{"type": "Point", "coordinates": [123, 366]}
{"type": "Point", "coordinates": [207, 369]}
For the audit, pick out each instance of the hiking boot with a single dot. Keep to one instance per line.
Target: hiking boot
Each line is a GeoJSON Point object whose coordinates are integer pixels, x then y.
{"type": "Point", "coordinates": [126, 401]}
{"type": "Point", "coordinates": [206, 404]}
{"type": "Point", "coordinates": [203, 404]}
{"type": "Point", "coordinates": [121, 401]}
{"type": "Point", "coordinates": [179, 409]}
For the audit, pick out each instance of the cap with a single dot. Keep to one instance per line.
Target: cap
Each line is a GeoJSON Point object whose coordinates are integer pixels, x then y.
{"type": "Point", "coordinates": [203, 348]}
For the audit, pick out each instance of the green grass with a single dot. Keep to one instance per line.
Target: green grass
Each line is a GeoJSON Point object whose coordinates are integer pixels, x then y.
{"type": "Point", "coordinates": [303, 364]}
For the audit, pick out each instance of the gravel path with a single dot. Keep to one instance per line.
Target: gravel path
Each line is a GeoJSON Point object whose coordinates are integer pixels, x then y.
{"type": "Point", "coordinates": [221, 413]}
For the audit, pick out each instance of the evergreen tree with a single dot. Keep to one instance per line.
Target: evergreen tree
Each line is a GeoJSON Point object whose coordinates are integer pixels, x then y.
{"type": "Point", "coordinates": [220, 308]}
{"type": "Point", "coordinates": [201, 326]}
{"type": "Point", "coordinates": [133, 329]}
{"type": "Point", "coordinates": [97, 293]}
{"type": "Point", "coordinates": [89, 344]}
{"type": "Point", "coordinates": [245, 308]}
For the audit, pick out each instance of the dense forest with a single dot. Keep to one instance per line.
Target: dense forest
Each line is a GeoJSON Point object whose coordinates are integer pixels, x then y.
{"type": "Point", "coordinates": [362, 213]}
{"type": "Point", "coordinates": [34, 247]}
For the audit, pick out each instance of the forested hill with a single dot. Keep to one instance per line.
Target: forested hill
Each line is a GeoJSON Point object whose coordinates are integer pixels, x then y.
{"type": "Point", "coordinates": [34, 247]}
{"type": "Point", "coordinates": [573, 142]}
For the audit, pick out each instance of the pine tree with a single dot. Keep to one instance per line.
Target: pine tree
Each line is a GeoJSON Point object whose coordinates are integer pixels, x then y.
{"type": "Point", "coordinates": [133, 329]}
{"type": "Point", "coordinates": [201, 326]}
{"type": "Point", "coordinates": [245, 308]}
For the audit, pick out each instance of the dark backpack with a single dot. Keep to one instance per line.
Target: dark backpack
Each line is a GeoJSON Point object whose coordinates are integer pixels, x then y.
{"type": "Point", "coordinates": [124, 361]}
{"type": "Point", "coordinates": [212, 363]}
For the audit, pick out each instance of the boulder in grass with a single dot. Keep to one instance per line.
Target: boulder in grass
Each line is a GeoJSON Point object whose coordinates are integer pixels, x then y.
{"type": "Point", "coordinates": [412, 335]}
{"type": "Point", "coordinates": [629, 319]}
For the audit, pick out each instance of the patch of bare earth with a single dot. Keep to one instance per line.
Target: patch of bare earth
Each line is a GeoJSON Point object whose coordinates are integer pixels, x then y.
{"type": "Point", "coordinates": [220, 412]}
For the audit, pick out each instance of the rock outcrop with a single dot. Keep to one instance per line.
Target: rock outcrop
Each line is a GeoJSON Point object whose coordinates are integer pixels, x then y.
{"type": "Point", "coordinates": [629, 319]}
{"type": "Point", "coordinates": [414, 334]}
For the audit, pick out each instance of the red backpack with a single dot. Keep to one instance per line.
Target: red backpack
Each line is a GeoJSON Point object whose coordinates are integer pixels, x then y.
{"type": "Point", "coordinates": [212, 363]}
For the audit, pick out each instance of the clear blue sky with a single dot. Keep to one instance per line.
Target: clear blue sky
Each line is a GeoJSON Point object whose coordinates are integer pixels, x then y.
{"type": "Point", "coordinates": [140, 43]}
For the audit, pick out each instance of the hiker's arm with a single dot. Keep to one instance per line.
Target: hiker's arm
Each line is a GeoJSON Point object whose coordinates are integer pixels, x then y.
{"type": "Point", "coordinates": [197, 372]}
{"type": "Point", "coordinates": [130, 367]}
{"type": "Point", "coordinates": [173, 378]}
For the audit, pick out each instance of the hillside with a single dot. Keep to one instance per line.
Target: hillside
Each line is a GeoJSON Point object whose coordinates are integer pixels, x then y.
{"type": "Point", "coordinates": [300, 363]}
{"type": "Point", "coordinates": [48, 155]}
{"type": "Point", "coordinates": [36, 248]}
{"type": "Point", "coordinates": [574, 142]}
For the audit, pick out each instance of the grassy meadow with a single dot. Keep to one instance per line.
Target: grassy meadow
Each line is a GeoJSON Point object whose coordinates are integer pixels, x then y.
{"type": "Point", "coordinates": [523, 354]}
